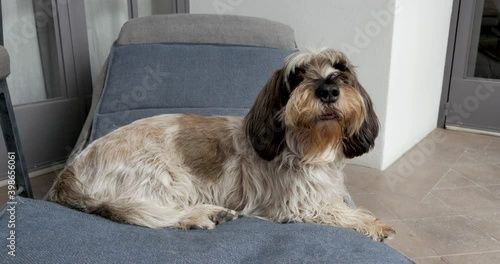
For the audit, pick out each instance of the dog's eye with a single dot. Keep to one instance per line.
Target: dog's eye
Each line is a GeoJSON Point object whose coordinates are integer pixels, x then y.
{"type": "Point", "coordinates": [339, 66]}
{"type": "Point", "coordinates": [296, 78]}
{"type": "Point", "coordinates": [338, 77]}
{"type": "Point", "coordinates": [299, 72]}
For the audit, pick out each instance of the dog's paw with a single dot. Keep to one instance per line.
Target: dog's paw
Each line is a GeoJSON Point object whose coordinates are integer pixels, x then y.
{"type": "Point", "coordinates": [223, 216]}
{"type": "Point", "coordinates": [379, 231]}
{"type": "Point", "coordinates": [207, 217]}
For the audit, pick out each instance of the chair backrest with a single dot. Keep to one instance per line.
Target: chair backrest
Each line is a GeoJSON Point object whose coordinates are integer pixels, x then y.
{"type": "Point", "coordinates": [200, 64]}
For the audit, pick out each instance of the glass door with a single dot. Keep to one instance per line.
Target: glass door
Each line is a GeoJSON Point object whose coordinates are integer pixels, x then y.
{"type": "Point", "coordinates": [30, 39]}
{"type": "Point", "coordinates": [50, 81]}
{"type": "Point", "coordinates": [474, 96]}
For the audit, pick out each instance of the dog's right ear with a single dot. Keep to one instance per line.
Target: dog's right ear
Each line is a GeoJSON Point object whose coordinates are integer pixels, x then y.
{"type": "Point", "coordinates": [263, 125]}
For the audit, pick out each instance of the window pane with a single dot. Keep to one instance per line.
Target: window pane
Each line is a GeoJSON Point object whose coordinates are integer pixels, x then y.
{"type": "Point", "coordinates": [104, 21]}
{"type": "Point", "coordinates": [484, 56]}
{"type": "Point", "coordinates": [30, 38]}
{"type": "Point", "coordinates": [154, 7]}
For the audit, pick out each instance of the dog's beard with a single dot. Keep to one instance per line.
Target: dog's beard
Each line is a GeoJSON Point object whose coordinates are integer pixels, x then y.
{"type": "Point", "coordinates": [317, 127]}
{"type": "Point", "coordinates": [312, 127]}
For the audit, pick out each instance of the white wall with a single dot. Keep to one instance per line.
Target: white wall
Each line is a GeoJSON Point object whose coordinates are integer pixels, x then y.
{"type": "Point", "coordinates": [391, 65]}
{"type": "Point", "coordinates": [418, 57]}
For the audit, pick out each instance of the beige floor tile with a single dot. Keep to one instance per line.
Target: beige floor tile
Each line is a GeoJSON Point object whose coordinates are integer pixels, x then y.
{"type": "Point", "coordinates": [42, 184]}
{"type": "Point", "coordinates": [406, 179]}
{"type": "Point", "coordinates": [493, 189]}
{"type": "Point", "coordinates": [488, 155]}
{"type": "Point", "coordinates": [434, 260]}
{"type": "Point", "coordinates": [467, 140]}
{"type": "Point", "coordinates": [483, 258]}
{"type": "Point", "coordinates": [354, 189]}
{"type": "Point", "coordinates": [358, 177]}
{"type": "Point", "coordinates": [407, 242]}
{"type": "Point", "coordinates": [467, 160]}
{"type": "Point", "coordinates": [446, 155]}
{"type": "Point", "coordinates": [487, 174]}
{"type": "Point", "coordinates": [370, 202]}
{"type": "Point", "coordinates": [452, 235]}
{"type": "Point", "coordinates": [431, 150]}
{"type": "Point", "coordinates": [453, 179]}
{"type": "Point", "coordinates": [489, 223]}
{"type": "Point", "coordinates": [495, 143]}
{"type": "Point", "coordinates": [407, 208]}
{"type": "Point", "coordinates": [469, 201]}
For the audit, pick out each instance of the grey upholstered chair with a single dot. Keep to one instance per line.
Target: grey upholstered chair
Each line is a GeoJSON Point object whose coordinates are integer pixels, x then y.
{"type": "Point", "coordinates": [202, 64]}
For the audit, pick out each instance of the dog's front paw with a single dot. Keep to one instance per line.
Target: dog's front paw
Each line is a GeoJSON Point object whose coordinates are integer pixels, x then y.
{"type": "Point", "coordinates": [379, 231]}
{"type": "Point", "coordinates": [223, 216]}
{"type": "Point", "coordinates": [206, 216]}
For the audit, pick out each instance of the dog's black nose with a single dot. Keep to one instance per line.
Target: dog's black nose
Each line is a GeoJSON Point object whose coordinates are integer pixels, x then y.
{"type": "Point", "coordinates": [328, 93]}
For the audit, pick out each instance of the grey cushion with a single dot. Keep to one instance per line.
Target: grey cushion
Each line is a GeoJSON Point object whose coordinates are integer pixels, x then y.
{"type": "Point", "coordinates": [150, 79]}
{"type": "Point", "coordinates": [49, 233]}
{"type": "Point", "coordinates": [201, 28]}
{"type": "Point", "coordinates": [4, 63]}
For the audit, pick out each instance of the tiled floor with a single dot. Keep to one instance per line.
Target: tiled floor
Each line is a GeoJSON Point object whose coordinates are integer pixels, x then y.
{"type": "Point", "coordinates": [443, 198]}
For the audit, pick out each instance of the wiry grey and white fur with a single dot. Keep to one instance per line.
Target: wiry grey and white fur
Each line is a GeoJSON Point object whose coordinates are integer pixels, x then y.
{"type": "Point", "coordinates": [282, 162]}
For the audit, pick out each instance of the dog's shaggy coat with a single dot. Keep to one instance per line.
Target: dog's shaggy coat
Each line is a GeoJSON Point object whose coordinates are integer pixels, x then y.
{"type": "Point", "coordinates": [282, 162]}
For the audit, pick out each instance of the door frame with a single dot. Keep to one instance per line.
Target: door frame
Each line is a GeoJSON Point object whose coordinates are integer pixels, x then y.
{"type": "Point", "coordinates": [448, 68]}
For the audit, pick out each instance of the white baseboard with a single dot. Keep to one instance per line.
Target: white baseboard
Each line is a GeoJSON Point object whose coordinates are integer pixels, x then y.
{"type": "Point", "coordinates": [37, 173]}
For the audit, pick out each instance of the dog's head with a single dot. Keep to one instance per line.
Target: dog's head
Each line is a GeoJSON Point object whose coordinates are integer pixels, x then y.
{"type": "Point", "coordinates": [312, 104]}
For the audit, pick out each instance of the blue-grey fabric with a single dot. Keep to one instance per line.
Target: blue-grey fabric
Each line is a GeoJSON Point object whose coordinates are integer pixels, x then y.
{"type": "Point", "coordinates": [207, 28]}
{"type": "Point", "coordinates": [49, 233]}
{"type": "Point", "coordinates": [4, 63]}
{"type": "Point", "coordinates": [150, 79]}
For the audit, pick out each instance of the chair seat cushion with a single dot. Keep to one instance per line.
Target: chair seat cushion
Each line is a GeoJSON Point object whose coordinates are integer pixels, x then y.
{"type": "Point", "coordinates": [49, 233]}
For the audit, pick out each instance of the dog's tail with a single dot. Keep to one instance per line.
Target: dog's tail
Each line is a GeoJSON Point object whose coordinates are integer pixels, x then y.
{"type": "Point", "coordinates": [68, 191]}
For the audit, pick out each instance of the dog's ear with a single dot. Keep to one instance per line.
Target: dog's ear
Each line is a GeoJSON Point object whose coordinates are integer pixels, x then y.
{"type": "Point", "coordinates": [363, 139]}
{"type": "Point", "coordinates": [263, 124]}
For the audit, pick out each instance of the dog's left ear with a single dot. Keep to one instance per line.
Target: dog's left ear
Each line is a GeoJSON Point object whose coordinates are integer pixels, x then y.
{"type": "Point", "coordinates": [363, 140]}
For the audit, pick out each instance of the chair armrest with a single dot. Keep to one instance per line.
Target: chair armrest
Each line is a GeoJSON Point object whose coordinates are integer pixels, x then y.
{"type": "Point", "coordinates": [10, 131]}
{"type": "Point", "coordinates": [4, 63]}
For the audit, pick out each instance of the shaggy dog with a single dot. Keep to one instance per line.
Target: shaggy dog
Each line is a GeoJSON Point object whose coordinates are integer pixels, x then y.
{"type": "Point", "coordinates": [282, 162]}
